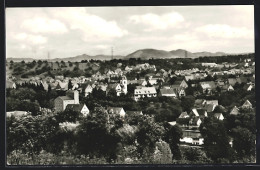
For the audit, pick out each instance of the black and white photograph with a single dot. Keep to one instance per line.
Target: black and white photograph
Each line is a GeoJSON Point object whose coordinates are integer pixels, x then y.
{"type": "Point", "coordinates": [131, 85]}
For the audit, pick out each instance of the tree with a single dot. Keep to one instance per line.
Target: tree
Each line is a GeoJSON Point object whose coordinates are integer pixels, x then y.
{"type": "Point", "coordinates": [172, 135]}
{"type": "Point", "coordinates": [216, 140]}
{"type": "Point", "coordinates": [148, 134]}
{"type": "Point", "coordinates": [70, 85]}
{"type": "Point", "coordinates": [243, 142]}
{"type": "Point", "coordinates": [187, 102]}
{"type": "Point", "coordinates": [194, 155]}
{"type": "Point", "coordinates": [68, 115]}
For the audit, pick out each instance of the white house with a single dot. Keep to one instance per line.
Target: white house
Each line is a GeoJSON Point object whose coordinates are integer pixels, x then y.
{"type": "Point", "coordinates": [219, 116]}
{"type": "Point", "coordinates": [117, 110]}
{"type": "Point", "coordinates": [82, 108]}
{"type": "Point", "coordinates": [141, 92]}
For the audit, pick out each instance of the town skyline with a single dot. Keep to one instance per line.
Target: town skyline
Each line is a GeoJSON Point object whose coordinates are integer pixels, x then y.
{"type": "Point", "coordinates": [68, 32]}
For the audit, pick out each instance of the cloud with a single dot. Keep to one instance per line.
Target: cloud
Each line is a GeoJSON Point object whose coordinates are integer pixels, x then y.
{"type": "Point", "coordinates": [44, 25]}
{"type": "Point", "coordinates": [225, 31]}
{"type": "Point", "coordinates": [31, 39]}
{"type": "Point", "coordinates": [93, 27]}
{"type": "Point", "coordinates": [157, 22]}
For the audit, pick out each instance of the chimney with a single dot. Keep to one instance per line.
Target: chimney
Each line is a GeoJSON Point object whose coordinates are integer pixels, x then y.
{"type": "Point", "coordinates": [76, 97]}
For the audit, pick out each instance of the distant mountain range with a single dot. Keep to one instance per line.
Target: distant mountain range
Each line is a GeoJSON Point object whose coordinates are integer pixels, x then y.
{"type": "Point", "coordinates": [142, 54]}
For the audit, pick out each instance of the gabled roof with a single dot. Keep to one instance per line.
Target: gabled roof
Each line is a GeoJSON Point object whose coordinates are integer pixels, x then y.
{"type": "Point", "coordinates": [199, 102]}
{"type": "Point", "coordinates": [194, 120]}
{"type": "Point", "coordinates": [145, 90]}
{"type": "Point", "coordinates": [65, 98]}
{"type": "Point", "coordinates": [173, 123]}
{"type": "Point", "coordinates": [167, 91]}
{"type": "Point", "coordinates": [246, 86]}
{"type": "Point", "coordinates": [115, 110]}
{"type": "Point", "coordinates": [234, 110]}
{"type": "Point", "coordinates": [201, 112]}
{"type": "Point", "coordinates": [184, 115]}
{"type": "Point", "coordinates": [134, 113]}
{"type": "Point", "coordinates": [217, 115]}
{"type": "Point", "coordinates": [209, 107]}
{"type": "Point", "coordinates": [208, 85]}
{"type": "Point", "coordinates": [214, 102]}
{"type": "Point", "coordinates": [247, 103]}
{"type": "Point", "coordinates": [75, 107]}
{"type": "Point", "coordinates": [195, 112]}
{"type": "Point", "coordinates": [112, 86]}
{"type": "Point", "coordinates": [85, 85]}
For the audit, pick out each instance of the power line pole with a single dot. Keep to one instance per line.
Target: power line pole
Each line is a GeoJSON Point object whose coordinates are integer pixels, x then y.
{"type": "Point", "coordinates": [112, 51]}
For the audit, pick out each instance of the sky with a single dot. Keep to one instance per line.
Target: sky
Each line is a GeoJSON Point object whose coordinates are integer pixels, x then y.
{"type": "Point", "coordinates": [71, 31]}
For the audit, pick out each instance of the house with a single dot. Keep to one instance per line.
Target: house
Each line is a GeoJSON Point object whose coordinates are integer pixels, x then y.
{"type": "Point", "coordinates": [81, 108]}
{"type": "Point", "coordinates": [199, 103]}
{"type": "Point", "coordinates": [141, 92]}
{"type": "Point", "coordinates": [248, 87]}
{"type": "Point", "coordinates": [210, 107]}
{"type": "Point", "coordinates": [45, 85]}
{"type": "Point", "coordinates": [16, 113]}
{"type": "Point", "coordinates": [10, 84]}
{"type": "Point", "coordinates": [219, 116]}
{"type": "Point", "coordinates": [247, 105]}
{"type": "Point", "coordinates": [62, 86]}
{"type": "Point", "coordinates": [183, 115]}
{"type": "Point", "coordinates": [173, 123]}
{"type": "Point", "coordinates": [167, 92]}
{"type": "Point", "coordinates": [116, 110]}
{"type": "Point", "coordinates": [179, 85]}
{"type": "Point", "coordinates": [234, 111]}
{"type": "Point", "coordinates": [213, 102]}
{"type": "Point", "coordinates": [61, 102]}
{"type": "Point", "coordinates": [208, 86]}
{"type": "Point", "coordinates": [198, 113]}
{"type": "Point", "coordinates": [192, 137]}
{"type": "Point", "coordinates": [119, 87]}
{"type": "Point", "coordinates": [87, 88]}
{"type": "Point", "coordinates": [68, 126]}
{"type": "Point", "coordinates": [195, 121]}
{"type": "Point", "coordinates": [134, 113]}
{"type": "Point", "coordinates": [209, 64]}
{"type": "Point", "coordinates": [227, 88]}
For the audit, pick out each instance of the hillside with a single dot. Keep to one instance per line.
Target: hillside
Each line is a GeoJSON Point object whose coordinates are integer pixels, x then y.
{"type": "Point", "coordinates": [143, 54]}
{"type": "Point", "coordinates": [150, 53]}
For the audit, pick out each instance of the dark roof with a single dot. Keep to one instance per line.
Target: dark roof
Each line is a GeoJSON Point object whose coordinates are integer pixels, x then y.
{"type": "Point", "coordinates": [134, 113]}
{"type": "Point", "coordinates": [201, 112]}
{"type": "Point", "coordinates": [75, 107]}
{"type": "Point", "coordinates": [167, 91]}
{"type": "Point", "coordinates": [194, 120]}
{"type": "Point", "coordinates": [183, 121]}
{"type": "Point", "coordinates": [65, 98]}
{"type": "Point", "coordinates": [209, 107]}
{"type": "Point", "coordinates": [199, 101]}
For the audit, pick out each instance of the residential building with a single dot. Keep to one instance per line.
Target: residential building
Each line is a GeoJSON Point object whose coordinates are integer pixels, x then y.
{"type": "Point", "coordinates": [141, 92]}
{"type": "Point", "coordinates": [61, 102]}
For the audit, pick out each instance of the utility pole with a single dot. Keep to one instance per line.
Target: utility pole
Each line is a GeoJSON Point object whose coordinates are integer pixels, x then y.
{"type": "Point", "coordinates": [112, 51]}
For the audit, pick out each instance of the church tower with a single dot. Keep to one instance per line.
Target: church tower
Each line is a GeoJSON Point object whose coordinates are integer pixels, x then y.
{"type": "Point", "coordinates": [123, 83]}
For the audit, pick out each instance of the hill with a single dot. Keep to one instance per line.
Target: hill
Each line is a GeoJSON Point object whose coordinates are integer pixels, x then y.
{"type": "Point", "coordinates": [150, 53]}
